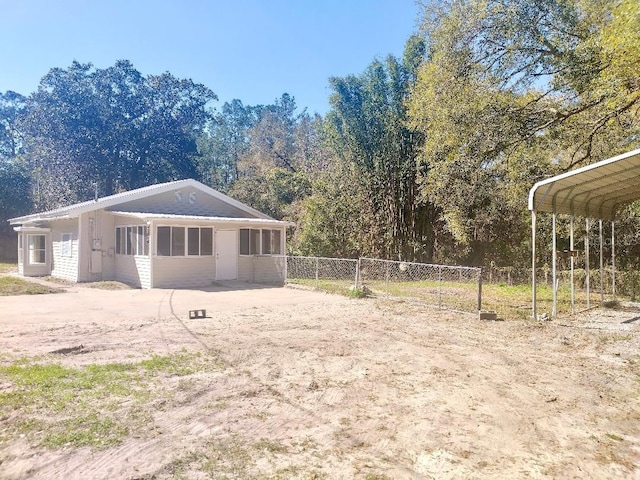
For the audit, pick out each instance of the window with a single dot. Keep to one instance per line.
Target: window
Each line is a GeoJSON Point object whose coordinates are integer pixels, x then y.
{"type": "Point", "coordinates": [184, 241]}
{"type": "Point", "coordinates": [193, 240]}
{"type": "Point", "coordinates": [271, 242]}
{"type": "Point", "coordinates": [65, 245]}
{"type": "Point", "coordinates": [256, 242]}
{"type": "Point", "coordinates": [164, 241]}
{"type": "Point", "coordinates": [244, 241]}
{"type": "Point", "coordinates": [36, 245]}
{"type": "Point", "coordinates": [133, 240]}
{"type": "Point", "coordinates": [206, 241]}
{"type": "Point", "coordinates": [177, 241]}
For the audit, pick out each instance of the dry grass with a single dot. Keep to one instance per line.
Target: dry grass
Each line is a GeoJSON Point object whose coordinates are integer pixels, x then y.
{"type": "Point", "coordinates": [17, 286]}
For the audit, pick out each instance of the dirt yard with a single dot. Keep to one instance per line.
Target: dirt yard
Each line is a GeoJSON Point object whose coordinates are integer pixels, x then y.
{"type": "Point", "coordinates": [299, 384]}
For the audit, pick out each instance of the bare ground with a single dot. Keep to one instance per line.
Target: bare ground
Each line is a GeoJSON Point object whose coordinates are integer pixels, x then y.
{"type": "Point", "coordinates": [320, 386]}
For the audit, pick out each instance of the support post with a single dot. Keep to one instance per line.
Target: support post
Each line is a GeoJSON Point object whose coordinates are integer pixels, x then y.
{"type": "Point", "coordinates": [554, 253]}
{"type": "Point", "coordinates": [479, 290]}
{"type": "Point", "coordinates": [440, 287]}
{"type": "Point", "coordinates": [601, 263]}
{"type": "Point", "coordinates": [572, 262]}
{"type": "Point", "coordinates": [613, 261]}
{"type": "Point", "coordinates": [586, 263]}
{"type": "Point", "coordinates": [534, 306]}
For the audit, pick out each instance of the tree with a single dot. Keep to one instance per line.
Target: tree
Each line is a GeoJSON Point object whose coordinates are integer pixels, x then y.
{"type": "Point", "coordinates": [12, 106]}
{"type": "Point", "coordinates": [111, 127]}
{"type": "Point", "coordinates": [513, 90]}
{"type": "Point", "coordinates": [367, 130]}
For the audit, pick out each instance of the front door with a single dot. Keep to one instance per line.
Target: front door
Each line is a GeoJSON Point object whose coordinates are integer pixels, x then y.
{"type": "Point", "coordinates": [226, 254]}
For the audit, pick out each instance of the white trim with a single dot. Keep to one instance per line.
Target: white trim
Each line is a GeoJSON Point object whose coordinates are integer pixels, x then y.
{"type": "Point", "coordinates": [202, 218]}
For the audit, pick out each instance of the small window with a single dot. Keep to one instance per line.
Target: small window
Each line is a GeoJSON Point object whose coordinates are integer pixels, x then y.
{"type": "Point", "coordinates": [118, 240]}
{"type": "Point", "coordinates": [65, 245]}
{"type": "Point", "coordinates": [37, 252]}
{"type": "Point", "coordinates": [255, 242]}
{"type": "Point", "coordinates": [193, 241]}
{"type": "Point", "coordinates": [164, 241]}
{"type": "Point", "coordinates": [266, 242]}
{"type": "Point", "coordinates": [146, 241]}
{"type": "Point", "coordinates": [130, 241]}
{"type": "Point", "coordinates": [206, 241]}
{"type": "Point", "coordinates": [20, 260]}
{"type": "Point", "coordinates": [140, 241]}
{"type": "Point", "coordinates": [244, 241]}
{"type": "Point", "coordinates": [177, 242]}
{"type": "Point", "coordinates": [276, 242]}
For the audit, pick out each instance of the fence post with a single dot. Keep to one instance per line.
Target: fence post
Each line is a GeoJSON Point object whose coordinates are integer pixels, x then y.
{"type": "Point", "coordinates": [479, 289]}
{"type": "Point", "coordinates": [357, 284]}
{"type": "Point", "coordinates": [440, 287]}
{"type": "Point", "coordinates": [317, 268]}
{"type": "Point", "coordinates": [386, 277]}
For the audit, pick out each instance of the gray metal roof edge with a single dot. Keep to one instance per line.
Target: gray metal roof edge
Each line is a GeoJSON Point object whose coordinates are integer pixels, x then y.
{"type": "Point", "coordinates": [577, 171]}
{"type": "Point", "coordinates": [131, 195]}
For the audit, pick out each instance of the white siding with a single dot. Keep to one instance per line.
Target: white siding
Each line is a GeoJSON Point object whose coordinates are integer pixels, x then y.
{"type": "Point", "coordinates": [265, 269]}
{"type": "Point", "coordinates": [65, 267]}
{"type": "Point", "coordinates": [107, 237]}
{"type": "Point", "coordinates": [133, 270]}
{"type": "Point", "coordinates": [245, 268]}
{"type": "Point", "coordinates": [179, 272]}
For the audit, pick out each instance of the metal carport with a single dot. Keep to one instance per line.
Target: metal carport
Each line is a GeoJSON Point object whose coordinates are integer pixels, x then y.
{"type": "Point", "coordinates": [596, 191]}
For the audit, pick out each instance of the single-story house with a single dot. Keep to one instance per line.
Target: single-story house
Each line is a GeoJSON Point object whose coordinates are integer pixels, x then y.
{"type": "Point", "coordinates": [176, 234]}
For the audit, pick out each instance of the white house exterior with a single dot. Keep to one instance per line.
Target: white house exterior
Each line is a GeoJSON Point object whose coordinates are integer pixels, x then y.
{"type": "Point", "coordinates": [171, 235]}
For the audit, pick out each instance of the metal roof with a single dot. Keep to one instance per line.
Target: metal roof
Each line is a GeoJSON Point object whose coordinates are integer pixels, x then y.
{"type": "Point", "coordinates": [201, 218]}
{"type": "Point", "coordinates": [594, 191]}
{"type": "Point", "coordinates": [72, 211]}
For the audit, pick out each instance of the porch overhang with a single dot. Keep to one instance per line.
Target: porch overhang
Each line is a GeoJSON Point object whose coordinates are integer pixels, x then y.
{"type": "Point", "coordinates": [257, 222]}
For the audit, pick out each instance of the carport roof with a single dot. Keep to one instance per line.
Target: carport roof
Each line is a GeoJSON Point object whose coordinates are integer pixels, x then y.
{"type": "Point", "coordinates": [594, 191]}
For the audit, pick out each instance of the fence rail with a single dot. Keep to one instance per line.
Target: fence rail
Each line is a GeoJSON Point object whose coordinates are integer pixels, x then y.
{"type": "Point", "coordinates": [446, 287]}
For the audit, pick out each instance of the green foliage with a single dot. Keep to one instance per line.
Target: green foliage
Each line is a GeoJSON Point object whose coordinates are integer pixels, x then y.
{"type": "Point", "coordinates": [512, 92]}
{"type": "Point", "coordinates": [111, 126]}
{"type": "Point", "coordinates": [15, 194]}
{"type": "Point", "coordinates": [377, 152]}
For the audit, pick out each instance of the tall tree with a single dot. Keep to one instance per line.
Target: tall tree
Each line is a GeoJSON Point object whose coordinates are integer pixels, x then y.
{"type": "Point", "coordinates": [111, 127]}
{"type": "Point", "coordinates": [15, 198]}
{"type": "Point", "coordinates": [514, 90]}
{"type": "Point", "coordinates": [367, 129]}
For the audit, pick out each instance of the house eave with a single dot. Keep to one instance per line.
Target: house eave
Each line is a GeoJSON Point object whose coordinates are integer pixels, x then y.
{"type": "Point", "coordinates": [200, 218]}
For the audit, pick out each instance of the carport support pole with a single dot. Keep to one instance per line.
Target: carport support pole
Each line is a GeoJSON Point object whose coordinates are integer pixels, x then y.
{"type": "Point", "coordinates": [586, 263]}
{"type": "Point", "coordinates": [554, 309]}
{"type": "Point", "coordinates": [601, 264]}
{"type": "Point", "coordinates": [572, 262]}
{"type": "Point", "coordinates": [613, 261]}
{"type": "Point", "coordinates": [533, 265]}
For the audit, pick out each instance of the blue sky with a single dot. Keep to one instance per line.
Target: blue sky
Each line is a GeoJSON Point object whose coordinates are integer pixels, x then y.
{"type": "Point", "coordinates": [247, 49]}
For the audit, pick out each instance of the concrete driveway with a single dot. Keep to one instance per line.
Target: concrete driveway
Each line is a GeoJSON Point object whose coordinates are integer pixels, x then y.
{"type": "Point", "coordinates": [80, 303]}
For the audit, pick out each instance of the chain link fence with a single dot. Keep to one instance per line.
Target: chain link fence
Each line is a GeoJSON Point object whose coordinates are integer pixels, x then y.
{"type": "Point", "coordinates": [446, 287]}
{"type": "Point", "coordinates": [335, 275]}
